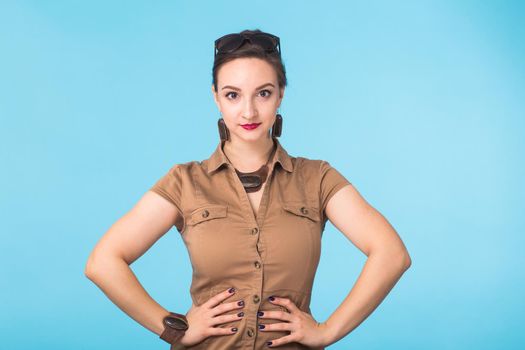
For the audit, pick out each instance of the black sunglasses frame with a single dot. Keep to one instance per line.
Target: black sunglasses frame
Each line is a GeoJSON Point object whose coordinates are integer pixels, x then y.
{"type": "Point", "coordinates": [231, 42]}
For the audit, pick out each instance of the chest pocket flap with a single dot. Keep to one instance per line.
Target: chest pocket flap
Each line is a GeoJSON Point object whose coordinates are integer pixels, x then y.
{"type": "Point", "coordinates": [208, 212]}
{"type": "Point", "coordinates": [302, 209]}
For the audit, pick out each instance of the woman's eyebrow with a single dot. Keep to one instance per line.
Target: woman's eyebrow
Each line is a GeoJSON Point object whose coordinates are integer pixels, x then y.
{"type": "Point", "coordinates": [236, 88]}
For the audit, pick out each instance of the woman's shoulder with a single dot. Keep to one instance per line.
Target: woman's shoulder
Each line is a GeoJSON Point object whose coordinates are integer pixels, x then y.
{"type": "Point", "coordinates": [310, 164]}
{"type": "Point", "coordinates": [318, 170]}
{"type": "Point", "coordinates": [308, 169]}
{"type": "Point", "coordinates": [184, 167]}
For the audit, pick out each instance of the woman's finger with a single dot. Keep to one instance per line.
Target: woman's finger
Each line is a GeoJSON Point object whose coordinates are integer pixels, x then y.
{"type": "Point", "coordinates": [281, 326]}
{"type": "Point", "coordinates": [215, 331]}
{"type": "Point", "coordinates": [287, 303]}
{"type": "Point", "coordinates": [282, 340]}
{"type": "Point", "coordinates": [275, 314]}
{"type": "Point", "coordinates": [227, 318]}
{"type": "Point", "coordinates": [218, 298]}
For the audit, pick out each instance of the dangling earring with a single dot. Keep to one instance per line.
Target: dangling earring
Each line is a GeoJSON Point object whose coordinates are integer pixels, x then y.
{"type": "Point", "coordinates": [277, 127]}
{"type": "Point", "coordinates": [224, 133]}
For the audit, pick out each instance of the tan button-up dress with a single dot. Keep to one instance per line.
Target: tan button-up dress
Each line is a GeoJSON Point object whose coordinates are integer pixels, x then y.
{"type": "Point", "coordinates": [275, 252]}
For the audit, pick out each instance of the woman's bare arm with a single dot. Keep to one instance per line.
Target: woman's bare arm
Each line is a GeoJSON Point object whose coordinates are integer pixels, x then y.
{"type": "Point", "coordinates": [387, 259]}
{"type": "Point", "coordinates": [126, 240]}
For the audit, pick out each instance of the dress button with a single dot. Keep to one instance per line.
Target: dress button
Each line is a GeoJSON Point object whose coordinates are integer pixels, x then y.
{"type": "Point", "coordinates": [255, 230]}
{"type": "Point", "coordinates": [256, 299]}
{"type": "Point", "coordinates": [250, 332]}
{"type": "Point", "coordinates": [304, 210]}
{"type": "Point", "coordinates": [205, 213]}
{"type": "Point", "coordinates": [257, 265]}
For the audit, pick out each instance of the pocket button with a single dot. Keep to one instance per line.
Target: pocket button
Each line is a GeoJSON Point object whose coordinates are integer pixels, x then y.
{"type": "Point", "coordinates": [304, 210]}
{"type": "Point", "coordinates": [205, 213]}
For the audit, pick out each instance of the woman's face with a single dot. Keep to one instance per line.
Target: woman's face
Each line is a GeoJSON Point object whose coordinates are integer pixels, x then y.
{"type": "Point", "coordinates": [247, 93]}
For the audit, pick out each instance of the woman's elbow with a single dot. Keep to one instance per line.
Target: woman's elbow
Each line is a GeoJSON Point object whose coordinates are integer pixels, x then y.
{"type": "Point", "coordinates": [407, 261]}
{"type": "Point", "coordinates": [400, 254]}
{"type": "Point", "coordinates": [397, 257]}
{"type": "Point", "coordinates": [97, 263]}
{"type": "Point", "coordinates": [90, 268]}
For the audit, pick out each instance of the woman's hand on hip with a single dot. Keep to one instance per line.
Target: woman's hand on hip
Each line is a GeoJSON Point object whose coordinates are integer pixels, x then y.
{"type": "Point", "coordinates": [303, 327]}
{"type": "Point", "coordinates": [203, 319]}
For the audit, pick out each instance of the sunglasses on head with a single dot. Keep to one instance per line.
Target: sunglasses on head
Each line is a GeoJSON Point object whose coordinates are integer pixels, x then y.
{"type": "Point", "coordinates": [231, 42]}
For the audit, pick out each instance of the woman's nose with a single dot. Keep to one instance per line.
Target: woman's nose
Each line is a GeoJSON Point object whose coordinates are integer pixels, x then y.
{"type": "Point", "coordinates": [249, 110]}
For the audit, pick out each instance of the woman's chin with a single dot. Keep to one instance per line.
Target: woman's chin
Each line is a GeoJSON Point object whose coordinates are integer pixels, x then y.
{"type": "Point", "coordinates": [252, 136]}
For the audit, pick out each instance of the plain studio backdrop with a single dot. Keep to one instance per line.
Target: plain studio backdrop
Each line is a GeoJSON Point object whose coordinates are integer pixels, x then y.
{"type": "Point", "coordinates": [420, 104]}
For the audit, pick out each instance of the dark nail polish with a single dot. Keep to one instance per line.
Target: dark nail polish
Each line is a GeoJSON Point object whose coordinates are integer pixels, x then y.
{"type": "Point", "coordinates": [240, 303]}
{"type": "Point", "coordinates": [269, 343]}
{"type": "Point", "coordinates": [271, 298]}
{"type": "Point", "coordinates": [260, 313]}
{"type": "Point", "coordinates": [231, 290]}
{"type": "Point", "coordinates": [240, 314]}
{"type": "Point", "coordinates": [234, 329]}
{"type": "Point", "coordinates": [261, 326]}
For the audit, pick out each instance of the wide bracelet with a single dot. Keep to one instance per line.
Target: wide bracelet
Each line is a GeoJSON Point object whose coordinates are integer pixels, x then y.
{"type": "Point", "coordinates": [175, 326]}
{"type": "Point", "coordinates": [175, 343]}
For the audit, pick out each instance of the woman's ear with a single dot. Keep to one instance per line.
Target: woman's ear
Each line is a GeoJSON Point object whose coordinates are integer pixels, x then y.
{"type": "Point", "coordinates": [214, 93]}
{"type": "Point", "coordinates": [281, 95]}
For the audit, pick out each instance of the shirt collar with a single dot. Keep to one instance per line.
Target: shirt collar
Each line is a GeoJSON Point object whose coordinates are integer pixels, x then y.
{"type": "Point", "coordinates": [218, 158]}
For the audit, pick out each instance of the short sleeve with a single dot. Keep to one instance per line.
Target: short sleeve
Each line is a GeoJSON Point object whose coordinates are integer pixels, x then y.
{"type": "Point", "coordinates": [331, 182]}
{"type": "Point", "coordinates": [170, 187]}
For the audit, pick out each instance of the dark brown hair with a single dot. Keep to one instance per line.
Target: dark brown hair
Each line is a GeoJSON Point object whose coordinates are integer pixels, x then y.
{"type": "Point", "coordinates": [250, 50]}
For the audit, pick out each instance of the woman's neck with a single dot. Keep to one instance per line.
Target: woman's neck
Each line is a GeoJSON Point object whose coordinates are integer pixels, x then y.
{"type": "Point", "coordinates": [248, 156]}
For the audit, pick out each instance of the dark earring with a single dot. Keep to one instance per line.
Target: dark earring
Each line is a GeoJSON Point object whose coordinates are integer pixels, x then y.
{"type": "Point", "coordinates": [224, 133]}
{"type": "Point", "coordinates": [277, 127]}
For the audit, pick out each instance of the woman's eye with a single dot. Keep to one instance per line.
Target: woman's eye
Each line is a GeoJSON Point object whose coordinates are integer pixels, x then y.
{"type": "Point", "coordinates": [231, 92]}
{"type": "Point", "coordinates": [267, 91]}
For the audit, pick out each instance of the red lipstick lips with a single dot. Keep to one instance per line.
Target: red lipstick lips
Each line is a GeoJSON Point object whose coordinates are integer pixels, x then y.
{"type": "Point", "coordinates": [250, 126]}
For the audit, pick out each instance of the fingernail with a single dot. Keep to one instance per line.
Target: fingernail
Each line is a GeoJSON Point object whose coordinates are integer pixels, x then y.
{"type": "Point", "coordinates": [240, 314]}
{"type": "Point", "coordinates": [240, 303]}
{"type": "Point", "coordinates": [234, 329]}
{"type": "Point", "coordinates": [231, 290]}
{"type": "Point", "coordinates": [260, 313]}
{"type": "Point", "coordinates": [271, 298]}
{"type": "Point", "coordinates": [269, 343]}
{"type": "Point", "coordinates": [261, 326]}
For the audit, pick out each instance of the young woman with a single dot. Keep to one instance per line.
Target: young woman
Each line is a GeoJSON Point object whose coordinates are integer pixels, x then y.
{"type": "Point", "coordinates": [252, 218]}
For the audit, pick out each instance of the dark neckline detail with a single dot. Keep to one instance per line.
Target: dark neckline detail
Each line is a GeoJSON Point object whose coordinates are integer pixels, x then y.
{"type": "Point", "coordinates": [253, 181]}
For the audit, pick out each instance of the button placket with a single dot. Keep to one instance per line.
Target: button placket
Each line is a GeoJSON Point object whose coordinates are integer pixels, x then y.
{"type": "Point", "coordinates": [256, 298]}
{"type": "Point", "coordinates": [254, 231]}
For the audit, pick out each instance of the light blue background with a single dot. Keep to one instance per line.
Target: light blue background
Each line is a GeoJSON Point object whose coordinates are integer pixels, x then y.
{"type": "Point", "coordinates": [420, 104]}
